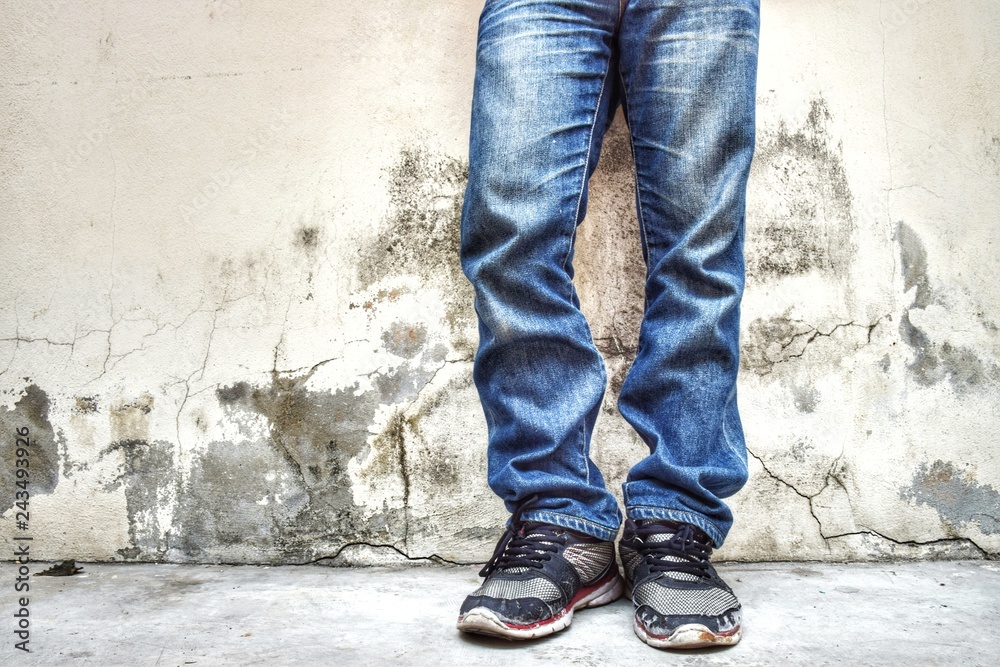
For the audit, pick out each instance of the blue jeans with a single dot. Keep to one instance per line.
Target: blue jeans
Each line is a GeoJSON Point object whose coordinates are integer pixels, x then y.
{"type": "Point", "coordinates": [549, 78]}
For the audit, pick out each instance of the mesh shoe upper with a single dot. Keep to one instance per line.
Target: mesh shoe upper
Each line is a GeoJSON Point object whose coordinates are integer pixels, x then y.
{"type": "Point", "coordinates": [537, 570]}
{"type": "Point", "coordinates": [673, 583]}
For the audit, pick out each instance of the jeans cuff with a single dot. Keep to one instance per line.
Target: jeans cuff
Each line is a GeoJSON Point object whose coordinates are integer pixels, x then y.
{"type": "Point", "coordinates": [680, 516]}
{"type": "Point", "coordinates": [597, 530]}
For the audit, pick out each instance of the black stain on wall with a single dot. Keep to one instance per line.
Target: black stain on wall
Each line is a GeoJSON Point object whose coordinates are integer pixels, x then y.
{"type": "Point", "coordinates": [805, 398]}
{"type": "Point", "coordinates": [962, 367]}
{"type": "Point", "coordinates": [307, 238]}
{"type": "Point", "coordinates": [30, 411]}
{"type": "Point", "coordinates": [421, 234]}
{"type": "Point", "coordinates": [799, 218]}
{"type": "Point", "coordinates": [935, 362]}
{"type": "Point", "coordinates": [913, 257]}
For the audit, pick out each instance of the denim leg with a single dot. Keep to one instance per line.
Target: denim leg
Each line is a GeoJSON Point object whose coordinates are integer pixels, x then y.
{"type": "Point", "coordinates": [688, 71]}
{"type": "Point", "coordinates": [544, 90]}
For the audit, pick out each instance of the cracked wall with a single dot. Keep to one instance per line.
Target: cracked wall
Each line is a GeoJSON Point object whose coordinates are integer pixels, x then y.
{"type": "Point", "coordinates": [237, 328]}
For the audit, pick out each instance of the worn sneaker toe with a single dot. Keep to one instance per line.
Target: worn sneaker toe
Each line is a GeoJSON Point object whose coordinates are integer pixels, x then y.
{"type": "Point", "coordinates": [687, 631]}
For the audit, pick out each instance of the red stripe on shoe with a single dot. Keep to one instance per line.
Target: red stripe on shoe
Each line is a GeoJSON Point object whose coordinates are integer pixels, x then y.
{"type": "Point", "coordinates": [584, 592]}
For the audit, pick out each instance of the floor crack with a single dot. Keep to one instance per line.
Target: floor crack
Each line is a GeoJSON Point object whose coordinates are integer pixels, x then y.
{"type": "Point", "coordinates": [433, 558]}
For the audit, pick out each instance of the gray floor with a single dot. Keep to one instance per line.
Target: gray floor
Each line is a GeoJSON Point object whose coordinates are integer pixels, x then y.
{"type": "Point", "coordinates": [796, 614]}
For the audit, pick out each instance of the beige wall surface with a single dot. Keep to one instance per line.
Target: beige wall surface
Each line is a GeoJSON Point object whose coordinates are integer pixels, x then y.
{"type": "Point", "coordinates": [235, 325]}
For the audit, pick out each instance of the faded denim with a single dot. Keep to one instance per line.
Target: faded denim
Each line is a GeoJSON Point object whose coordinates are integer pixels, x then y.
{"type": "Point", "coordinates": [549, 78]}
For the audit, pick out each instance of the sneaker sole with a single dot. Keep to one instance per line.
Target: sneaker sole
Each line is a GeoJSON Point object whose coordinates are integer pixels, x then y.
{"type": "Point", "coordinates": [484, 622]}
{"type": "Point", "coordinates": [693, 635]}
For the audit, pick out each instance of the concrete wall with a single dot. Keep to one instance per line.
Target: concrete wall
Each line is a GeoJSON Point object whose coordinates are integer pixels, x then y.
{"type": "Point", "coordinates": [235, 324]}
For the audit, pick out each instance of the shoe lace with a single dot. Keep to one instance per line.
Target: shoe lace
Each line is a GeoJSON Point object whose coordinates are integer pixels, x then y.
{"type": "Point", "coordinates": [687, 550]}
{"type": "Point", "coordinates": [524, 544]}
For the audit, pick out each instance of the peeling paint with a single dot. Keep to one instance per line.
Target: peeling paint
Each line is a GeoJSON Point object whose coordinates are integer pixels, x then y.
{"type": "Point", "coordinates": [316, 432]}
{"type": "Point", "coordinates": [326, 443]}
{"type": "Point", "coordinates": [130, 419]}
{"type": "Point", "coordinates": [285, 498]}
{"type": "Point", "coordinates": [240, 496]}
{"type": "Point", "coordinates": [151, 483]}
{"type": "Point", "coordinates": [405, 340]}
{"type": "Point", "coordinates": [956, 496]}
{"type": "Point", "coordinates": [85, 404]}
{"type": "Point", "coordinates": [30, 411]}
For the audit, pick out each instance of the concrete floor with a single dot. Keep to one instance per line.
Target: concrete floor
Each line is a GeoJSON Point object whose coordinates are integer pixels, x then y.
{"type": "Point", "coordinates": [941, 613]}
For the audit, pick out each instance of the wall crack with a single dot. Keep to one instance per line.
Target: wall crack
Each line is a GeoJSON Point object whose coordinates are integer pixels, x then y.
{"type": "Point", "coordinates": [780, 336]}
{"type": "Point", "coordinates": [831, 474]}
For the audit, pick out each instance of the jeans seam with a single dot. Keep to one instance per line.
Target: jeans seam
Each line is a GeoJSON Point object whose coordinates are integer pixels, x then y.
{"type": "Point", "coordinates": [576, 224]}
{"type": "Point", "coordinates": [672, 514]}
{"type": "Point", "coordinates": [548, 516]}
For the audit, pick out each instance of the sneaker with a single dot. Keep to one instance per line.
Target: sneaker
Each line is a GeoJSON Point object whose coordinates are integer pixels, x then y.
{"type": "Point", "coordinates": [538, 576]}
{"type": "Point", "coordinates": [680, 601]}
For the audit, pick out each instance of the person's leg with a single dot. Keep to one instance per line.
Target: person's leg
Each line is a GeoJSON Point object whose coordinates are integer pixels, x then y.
{"type": "Point", "coordinates": [689, 74]}
{"type": "Point", "coordinates": [689, 77]}
{"type": "Point", "coordinates": [544, 92]}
